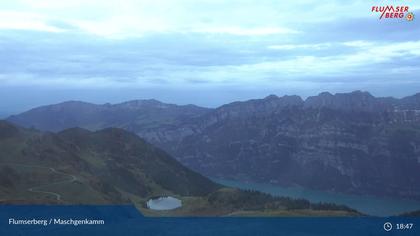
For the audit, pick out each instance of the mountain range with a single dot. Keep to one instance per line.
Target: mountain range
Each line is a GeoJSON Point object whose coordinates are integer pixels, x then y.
{"type": "Point", "coordinates": [113, 166]}
{"type": "Point", "coordinates": [346, 142]}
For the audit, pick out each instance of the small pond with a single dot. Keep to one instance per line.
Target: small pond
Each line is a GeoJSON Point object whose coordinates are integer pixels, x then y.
{"type": "Point", "coordinates": [164, 203]}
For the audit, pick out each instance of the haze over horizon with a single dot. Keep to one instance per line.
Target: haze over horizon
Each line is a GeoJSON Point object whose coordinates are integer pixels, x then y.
{"type": "Point", "coordinates": [202, 52]}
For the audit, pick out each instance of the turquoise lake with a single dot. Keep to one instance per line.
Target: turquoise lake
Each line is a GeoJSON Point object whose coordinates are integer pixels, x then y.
{"type": "Point", "coordinates": [164, 203]}
{"type": "Point", "coordinates": [371, 205]}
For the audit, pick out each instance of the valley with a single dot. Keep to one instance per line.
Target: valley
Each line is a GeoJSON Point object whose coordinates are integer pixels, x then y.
{"type": "Point", "coordinates": [113, 166]}
{"type": "Point", "coordinates": [352, 143]}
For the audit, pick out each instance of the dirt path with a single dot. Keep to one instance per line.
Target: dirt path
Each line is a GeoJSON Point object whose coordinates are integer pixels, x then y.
{"type": "Point", "coordinates": [36, 189]}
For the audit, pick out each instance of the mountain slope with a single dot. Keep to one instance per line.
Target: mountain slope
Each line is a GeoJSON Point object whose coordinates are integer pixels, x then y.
{"type": "Point", "coordinates": [346, 142]}
{"type": "Point", "coordinates": [108, 163]}
{"type": "Point", "coordinates": [113, 166]}
{"type": "Point", "coordinates": [351, 143]}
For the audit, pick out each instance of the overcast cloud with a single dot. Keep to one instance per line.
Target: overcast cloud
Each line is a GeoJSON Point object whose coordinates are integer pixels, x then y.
{"type": "Point", "coordinates": [203, 52]}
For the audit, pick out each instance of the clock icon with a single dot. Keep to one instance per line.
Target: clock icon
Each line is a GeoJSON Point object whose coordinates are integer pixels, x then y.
{"type": "Point", "coordinates": [387, 226]}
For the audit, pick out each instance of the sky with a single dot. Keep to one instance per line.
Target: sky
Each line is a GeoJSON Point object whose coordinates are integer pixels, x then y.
{"type": "Point", "coordinates": [207, 52]}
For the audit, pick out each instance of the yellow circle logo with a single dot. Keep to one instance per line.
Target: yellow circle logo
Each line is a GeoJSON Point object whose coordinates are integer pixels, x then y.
{"type": "Point", "coordinates": [410, 16]}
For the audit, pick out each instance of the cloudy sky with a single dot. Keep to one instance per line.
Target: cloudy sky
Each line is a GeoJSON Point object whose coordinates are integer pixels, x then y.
{"type": "Point", "coordinates": [206, 52]}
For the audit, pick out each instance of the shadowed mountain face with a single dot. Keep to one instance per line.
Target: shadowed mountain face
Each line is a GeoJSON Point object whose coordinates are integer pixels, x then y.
{"type": "Point", "coordinates": [77, 166]}
{"type": "Point", "coordinates": [132, 115]}
{"type": "Point", "coordinates": [350, 142]}
{"type": "Point", "coordinates": [110, 164]}
{"type": "Point", "coordinates": [357, 101]}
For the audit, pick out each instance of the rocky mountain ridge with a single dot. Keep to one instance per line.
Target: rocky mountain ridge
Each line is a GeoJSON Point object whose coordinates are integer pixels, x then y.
{"type": "Point", "coordinates": [346, 142]}
{"type": "Point", "coordinates": [113, 166]}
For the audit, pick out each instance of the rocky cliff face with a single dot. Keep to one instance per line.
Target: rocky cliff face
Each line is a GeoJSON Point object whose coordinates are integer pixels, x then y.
{"type": "Point", "coordinates": [315, 148]}
{"type": "Point", "coordinates": [355, 101]}
{"type": "Point", "coordinates": [350, 142]}
{"type": "Point", "coordinates": [345, 142]}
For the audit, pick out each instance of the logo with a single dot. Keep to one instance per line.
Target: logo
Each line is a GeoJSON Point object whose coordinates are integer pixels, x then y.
{"type": "Point", "coordinates": [393, 12]}
{"type": "Point", "coordinates": [410, 16]}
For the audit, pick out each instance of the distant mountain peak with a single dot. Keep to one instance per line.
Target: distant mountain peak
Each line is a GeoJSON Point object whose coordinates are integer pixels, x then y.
{"type": "Point", "coordinates": [355, 101]}
{"type": "Point", "coordinates": [356, 93]}
{"type": "Point", "coordinates": [410, 102]}
{"type": "Point", "coordinates": [285, 100]}
{"type": "Point", "coordinates": [292, 99]}
{"type": "Point", "coordinates": [138, 103]}
{"type": "Point", "coordinates": [72, 102]}
{"type": "Point", "coordinates": [325, 94]}
{"type": "Point", "coordinates": [271, 96]}
{"type": "Point", "coordinates": [153, 103]}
